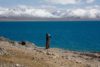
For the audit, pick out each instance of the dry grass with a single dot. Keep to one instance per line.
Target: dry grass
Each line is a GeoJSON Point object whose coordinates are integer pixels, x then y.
{"type": "Point", "coordinates": [28, 57]}
{"type": "Point", "coordinates": [20, 56]}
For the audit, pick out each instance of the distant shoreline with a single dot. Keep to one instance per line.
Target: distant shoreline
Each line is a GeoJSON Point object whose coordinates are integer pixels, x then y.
{"type": "Point", "coordinates": [48, 19]}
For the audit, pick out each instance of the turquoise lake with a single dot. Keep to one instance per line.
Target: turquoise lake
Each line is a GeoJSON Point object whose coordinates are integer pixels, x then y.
{"type": "Point", "coordinates": [70, 35]}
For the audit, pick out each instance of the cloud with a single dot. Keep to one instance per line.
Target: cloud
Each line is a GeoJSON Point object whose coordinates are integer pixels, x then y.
{"type": "Point", "coordinates": [63, 2]}
{"type": "Point", "coordinates": [27, 11]}
{"type": "Point", "coordinates": [84, 13]}
{"type": "Point", "coordinates": [89, 1]}
{"type": "Point", "coordinates": [77, 12]}
{"type": "Point", "coordinates": [66, 2]}
{"type": "Point", "coordinates": [24, 11]}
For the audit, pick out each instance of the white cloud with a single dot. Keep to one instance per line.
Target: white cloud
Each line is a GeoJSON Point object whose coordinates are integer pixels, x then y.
{"type": "Point", "coordinates": [25, 11]}
{"type": "Point", "coordinates": [63, 2]}
{"type": "Point", "coordinates": [42, 13]}
{"type": "Point", "coordinates": [94, 13]}
{"type": "Point", "coordinates": [78, 12]}
{"type": "Point", "coordinates": [66, 2]}
{"type": "Point", "coordinates": [90, 1]}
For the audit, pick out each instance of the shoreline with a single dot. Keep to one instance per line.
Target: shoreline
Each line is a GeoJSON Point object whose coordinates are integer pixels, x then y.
{"type": "Point", "coordinates": [72, 50]}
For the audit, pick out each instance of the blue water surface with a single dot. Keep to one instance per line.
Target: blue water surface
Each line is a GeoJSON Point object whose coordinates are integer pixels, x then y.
{"type": "Point", "coordinates": [70, 35]}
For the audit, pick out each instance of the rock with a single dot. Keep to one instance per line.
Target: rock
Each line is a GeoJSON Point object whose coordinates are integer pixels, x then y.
{"type": "Point", "coordinates": [88, 65]}
{"type": "Point", "coordinates": [3, 51]}
{"type": "Point", "coordinates": [53, 55]}
{"type": "Point", "coordinates": [7, 40]}
{"type": "Point", "coordinates": [27, 44]}
{"type": "Point", "coordinates": [23, 43]}
{"type": "Point", "coordinates": [3, 39]}
{"type": "Point", "coordinates": [18, 65]}
{"type": "Point", "coordinates": [91, 55]}
{"type": "Point", "coordinates": [50, 53]}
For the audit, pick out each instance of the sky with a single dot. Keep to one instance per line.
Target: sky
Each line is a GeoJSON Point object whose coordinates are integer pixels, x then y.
{"type": "Point", "coordinates": [51, 8]}
{"type": "Point", "coordinates": [54, 3]}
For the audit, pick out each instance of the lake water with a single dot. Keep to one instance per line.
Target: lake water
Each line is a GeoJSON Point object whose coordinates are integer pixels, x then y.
{"type": "Point", "coordinates": [70, 35]}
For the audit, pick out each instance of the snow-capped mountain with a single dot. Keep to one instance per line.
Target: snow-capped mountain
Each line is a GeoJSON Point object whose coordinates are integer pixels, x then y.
{"type": "Point", "coordinates": [23, 11]}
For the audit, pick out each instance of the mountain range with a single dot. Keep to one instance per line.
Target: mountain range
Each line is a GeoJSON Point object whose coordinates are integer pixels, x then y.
{"type": "Point", "coordinates": [28, 13]}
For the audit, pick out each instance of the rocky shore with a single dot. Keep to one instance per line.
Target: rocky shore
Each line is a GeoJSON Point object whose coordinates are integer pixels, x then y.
{"type": "Point", "coordinates": [26, 54]}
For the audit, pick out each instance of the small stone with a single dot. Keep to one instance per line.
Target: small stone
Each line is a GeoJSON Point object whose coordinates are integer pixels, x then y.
{"type": "Point", "coordinates": [33, 58]}
{"type": "Point", "coordinates": [18, 65]}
